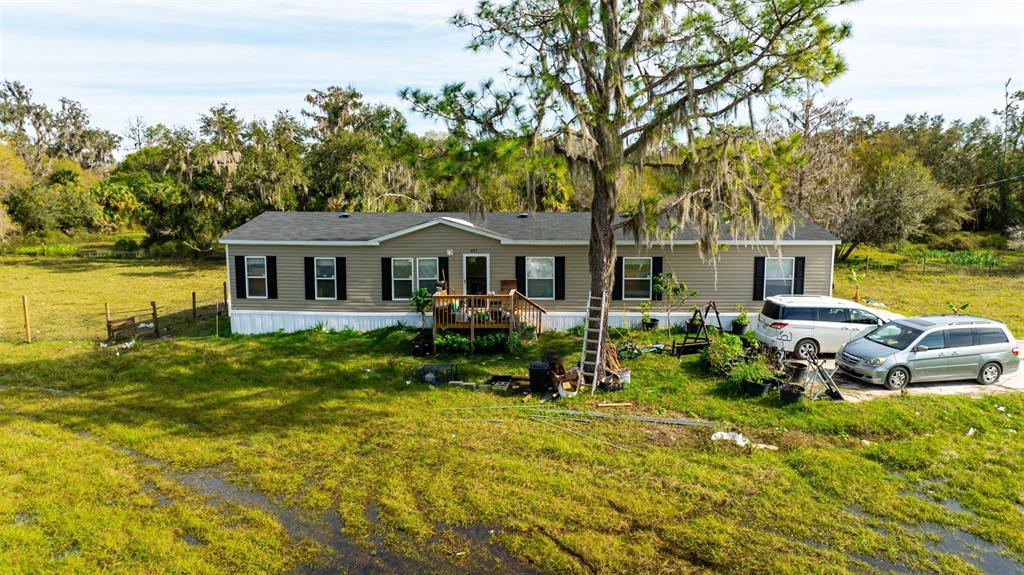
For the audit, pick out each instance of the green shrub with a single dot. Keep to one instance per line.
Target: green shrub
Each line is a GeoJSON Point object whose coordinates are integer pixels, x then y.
{"type": "Point", "coordinates": [169, 250]}
{"type": "Point", "coordinates": [126, 245]}
{"type": "Point", "coordinates": [492, 342]}
{"type": "Point", "coordinates": [966, 241]}
{"type": "Point", "coordinates": [725, 351]}
{"type": "Point", "coordinates": [750, 372]}
{"type": "Point", "coordinates": [453, 343]}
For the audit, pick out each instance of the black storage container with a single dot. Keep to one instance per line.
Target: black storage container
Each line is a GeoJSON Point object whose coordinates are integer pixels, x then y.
{"type": "Point", "coordinates": [796, 371]}
{"type": "Point", "coordinates": [540, 376]}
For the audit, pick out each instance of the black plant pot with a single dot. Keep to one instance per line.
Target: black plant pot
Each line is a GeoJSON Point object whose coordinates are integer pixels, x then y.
{"type": "Point", "coordinates": [753, 388]}
{"type": "Point", "coordinates": [791, 393]}
{"type": "Point", "coordinates": [692, 326]}
{"type": "Point", "coordinates": [795, 370]}
{"type": "Point", "coordinates": [649, 325]}
{"type": "Point", "coordinates": [422, 344]}
{"type": "Point", "coordinates": [738, 329]}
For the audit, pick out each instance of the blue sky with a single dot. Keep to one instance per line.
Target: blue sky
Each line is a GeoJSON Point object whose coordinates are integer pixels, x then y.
{"type": "Point", "coordinates": [169, 61]}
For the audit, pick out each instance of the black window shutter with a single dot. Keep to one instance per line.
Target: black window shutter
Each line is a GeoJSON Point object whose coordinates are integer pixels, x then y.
{"type": "Point", "coordinates": [559, 277]}
{"type": "Point", "coordinates": [617, 286]}
{"type": "Point", "coordinates": [240, 291]}
{"type": "Point", "coordinates": [657, 264]}
{"type": "Point", "coordinates": [798, 275]}
{"type": "Point", "coordinates": [759, 278]}
{"type": "Point", "coordinates": [442, 271]}
{"type": "Point", "coordinates": [521, 274]}
{"type": "Point", "coordinates": [310, 279]}
{"type": "Point", "coordinates": [342, 277]}
{"type": "Point", "coordinates": [385, 279]}
{"type": "Point", "coordinates": [271, 277]}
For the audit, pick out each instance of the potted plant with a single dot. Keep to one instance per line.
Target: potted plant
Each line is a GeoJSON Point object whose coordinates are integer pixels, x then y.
{"type": "Point", "coordinates": [695, 322]}
{"type": "Point", "coordinates": [423, 343]}
{"type": "Point", "coordinates": [647, 322]}
{"type": "Point", "coordinates": [739, 325]}
{"type": "Point", "coordinates": [421, 300]}
{"type": "Point", "coordinates": [673, 292]}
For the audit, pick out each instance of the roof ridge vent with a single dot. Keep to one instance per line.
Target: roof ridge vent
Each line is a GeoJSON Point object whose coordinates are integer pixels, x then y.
{"type": "Point", "coordinates": [344, 215]}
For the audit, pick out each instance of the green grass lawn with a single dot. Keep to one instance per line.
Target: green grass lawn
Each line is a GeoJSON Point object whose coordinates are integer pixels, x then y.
{"type": "Point", "coordinates": [66, 294]}
{"type": "Point", "coordinates": [913, 291]}
{"type": "Point", "coordinates": [115, 462]}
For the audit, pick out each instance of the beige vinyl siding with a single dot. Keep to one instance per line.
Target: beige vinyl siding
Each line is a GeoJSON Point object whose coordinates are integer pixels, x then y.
{"type": "Point", "coordinates": [735, 270]}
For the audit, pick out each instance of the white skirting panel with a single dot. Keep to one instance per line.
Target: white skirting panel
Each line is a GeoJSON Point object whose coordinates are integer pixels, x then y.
{"type": "Point", "coordinates": [562, 321]}
{"type": "Point", "coordinates": [253, 322]}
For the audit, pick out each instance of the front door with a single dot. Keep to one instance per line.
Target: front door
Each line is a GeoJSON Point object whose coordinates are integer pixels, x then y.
{"type": "Point", "coordinates": [477, 274]}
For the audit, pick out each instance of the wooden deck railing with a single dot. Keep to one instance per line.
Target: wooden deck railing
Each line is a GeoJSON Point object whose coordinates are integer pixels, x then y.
{"type": "Point", "coordinates": [497, 311]}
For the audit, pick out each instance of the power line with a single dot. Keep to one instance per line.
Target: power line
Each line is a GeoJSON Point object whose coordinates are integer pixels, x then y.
{"type": "Point", "coordinates": [1010, 179]}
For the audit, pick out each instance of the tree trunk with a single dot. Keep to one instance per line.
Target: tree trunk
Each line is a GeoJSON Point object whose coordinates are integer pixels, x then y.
{"type": "Point", "coordinates": [602, 244]}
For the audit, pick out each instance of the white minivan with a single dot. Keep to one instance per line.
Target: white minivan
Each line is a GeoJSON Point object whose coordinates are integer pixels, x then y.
{"type": "Point", "coordinates": [812, 325]}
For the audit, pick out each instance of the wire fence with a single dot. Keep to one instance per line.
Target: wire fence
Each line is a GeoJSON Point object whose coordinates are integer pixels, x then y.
{"type": "Point", "coordinates": [937, 262]}
{"type": "Point", "coordinates": [45, 318]}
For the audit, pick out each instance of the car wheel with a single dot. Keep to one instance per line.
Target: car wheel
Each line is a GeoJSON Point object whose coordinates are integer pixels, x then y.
{"type": "Point", "coordinates": [806, 349]}
{"type": "Point", "coordinates": [897, 379]}
{"type": "Point", "coordinates": [989, 373]}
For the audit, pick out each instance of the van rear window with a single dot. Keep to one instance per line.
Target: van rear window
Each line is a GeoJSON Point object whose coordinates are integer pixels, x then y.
{"type": "Point", "coordinates": [771, 310]}
{"type": "Point", "coordinates": [800, 313]}
{"type": "Point", "coordinates": [986, 336]}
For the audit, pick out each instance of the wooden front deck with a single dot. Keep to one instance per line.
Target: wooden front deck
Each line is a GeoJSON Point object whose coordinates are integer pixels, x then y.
{"type": "Point", "coordinates": [497, 311]}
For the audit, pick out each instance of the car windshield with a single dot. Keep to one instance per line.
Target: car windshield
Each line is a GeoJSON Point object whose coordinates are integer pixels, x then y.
{"type": "Point", "coordinates": [894, 335]}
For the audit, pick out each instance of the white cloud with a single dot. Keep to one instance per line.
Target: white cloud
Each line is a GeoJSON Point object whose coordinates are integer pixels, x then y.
{"type": "Point", "coordinates": [168, 61]}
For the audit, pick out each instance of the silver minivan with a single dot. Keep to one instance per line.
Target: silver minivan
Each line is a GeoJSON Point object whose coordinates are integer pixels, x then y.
{"type": "Point", "coordinates": [931, 348]}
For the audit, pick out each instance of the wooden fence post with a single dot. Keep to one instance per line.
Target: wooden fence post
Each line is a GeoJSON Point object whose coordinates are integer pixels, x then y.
{"type": "Point", "coordinates": [28, 327]}
{"type": "Point", "coordinates": [106, 313]}
{"type": "Point", "coordinates": [195, 315]}
{"type": "Point", "coordinates": [156, 320]}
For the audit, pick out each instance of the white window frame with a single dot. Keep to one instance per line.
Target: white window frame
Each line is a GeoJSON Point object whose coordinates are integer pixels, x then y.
{"type": "Point", "coordinates": [465, 283]}
{"type": "Point", "coordinates": [333, 279]}
{"type": "Point", "coordinates": [791, 278]}
{"type": "Point", "coordinates": [436, 278]}
{"type": "Point", "coordinates": [650, 279]}
{"type": "Point", "coordinates": [412, 261]}
{"type": "Point", "coordinates": [552, 278]}
{"type": "Point", "coordinates": [266, 282]}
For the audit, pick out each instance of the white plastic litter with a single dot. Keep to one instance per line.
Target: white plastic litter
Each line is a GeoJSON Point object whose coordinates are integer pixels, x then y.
{"type": "Point", "coordinates": [732, 436]}
{"type": "Point", "coordinates": [970, 432]}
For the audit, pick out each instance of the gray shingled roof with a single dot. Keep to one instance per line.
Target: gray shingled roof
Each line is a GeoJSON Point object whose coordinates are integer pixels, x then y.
{"type": "Point", "coordinates": [546, 226]}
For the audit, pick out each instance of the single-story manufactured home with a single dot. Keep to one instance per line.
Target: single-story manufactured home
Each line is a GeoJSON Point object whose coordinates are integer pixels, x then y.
{"type": "Point", "coordinates": [295, 270]}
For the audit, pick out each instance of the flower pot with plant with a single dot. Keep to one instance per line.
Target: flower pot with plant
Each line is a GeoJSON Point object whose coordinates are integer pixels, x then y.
{"type": "Point", "coordinates": [647, 322]}
{"type": "Point", "coordinates": [742, 321]}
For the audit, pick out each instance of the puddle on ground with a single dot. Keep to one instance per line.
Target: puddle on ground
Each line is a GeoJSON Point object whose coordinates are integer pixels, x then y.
{"type": "Point", "coordinates": [346, 556]}
{"type": "Point", "coordinates": [161, 498]}
{"type": "Point", "coordinates": [987, 557]}
{"type": "Point", "coordinates": [974, 550]}
{"type": "Point", "coordinates": [342, 554]}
